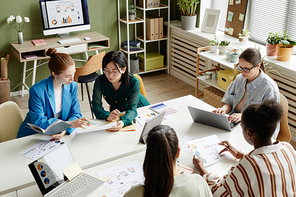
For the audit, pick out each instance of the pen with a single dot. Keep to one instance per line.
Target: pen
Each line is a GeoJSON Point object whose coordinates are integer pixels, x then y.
{"type": "Point", "coordinates": [90, 122]}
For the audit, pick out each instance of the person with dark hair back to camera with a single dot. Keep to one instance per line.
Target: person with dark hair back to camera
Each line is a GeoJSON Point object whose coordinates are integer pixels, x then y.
{"type": "Point", "coordinates": [120, 89]}
{"type": "Point", "coordinates": [54, 98]}
{"type": "Point", "coordinates": [268, 170]}
{"type": "Point", "coordinates": [252, 86]}
{"type": "Point", "coordinates": [162, 176]}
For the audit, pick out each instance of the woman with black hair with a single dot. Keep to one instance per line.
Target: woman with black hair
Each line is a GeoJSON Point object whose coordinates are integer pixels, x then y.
{"type": "Point", "coordinates": [162, 176]}
{"type": "Point", "coordinates": [252, 86]}
{"type": "Point", "coordinates": [268, 170]}
{"type": "Point", "coordinates": [120, 89]}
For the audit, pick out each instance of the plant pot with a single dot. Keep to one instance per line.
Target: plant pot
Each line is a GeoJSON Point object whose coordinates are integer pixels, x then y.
{"type": "Point", "coordinates": [214, 48]}
{"type": "Point", "coordinates": [188, 22]}
{"type": "Point", "coordinates": [270, 50]}
{"type": "Point", "coordinates": [284, 54]}
{"type": "Point", "coordinates": [132, 17]}
{"type": "Point", "coordinates": [134, 65]}
{"type": "Point", "coordinates": [223, 50]}
{"type": "Point", "coordinates": [246, 40]}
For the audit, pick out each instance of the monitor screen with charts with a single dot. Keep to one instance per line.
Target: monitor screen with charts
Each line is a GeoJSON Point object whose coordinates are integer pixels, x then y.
{"type": "Point", "coordinates": [149, 125]}
{"type": "Point", "coordinates": [211, 119]}
{"type": "Point", "coordinates": [51, 171]}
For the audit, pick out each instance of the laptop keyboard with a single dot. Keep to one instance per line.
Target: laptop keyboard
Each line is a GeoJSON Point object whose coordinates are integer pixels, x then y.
{"type": "Point", "coordinates": [74, 187]}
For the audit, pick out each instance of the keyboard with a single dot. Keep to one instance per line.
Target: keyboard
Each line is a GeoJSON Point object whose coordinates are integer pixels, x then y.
{"type": "Point", "coordinates": [67, 41]}
{"type": "Point", "coordinates": [81, 186]}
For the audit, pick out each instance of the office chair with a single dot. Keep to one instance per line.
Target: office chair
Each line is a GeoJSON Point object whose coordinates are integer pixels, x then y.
{"type": "Point", "coordinates": [88, 73]}
{"type": "Point", "coordinates": [284, 133]}
{"type": "Point", "coordinates": [11, 118]}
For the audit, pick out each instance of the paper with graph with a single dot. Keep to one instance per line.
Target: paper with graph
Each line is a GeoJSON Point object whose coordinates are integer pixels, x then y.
{"type": "Point", "coordinates": [207, 148]}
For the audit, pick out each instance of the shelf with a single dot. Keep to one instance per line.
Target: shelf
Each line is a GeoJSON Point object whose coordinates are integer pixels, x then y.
{"type": "Point", "coordinates": [212, 82]}
{"type": "Point", "coordinates": [161, 6]}
{"type": "Point", "coordinates": [137, 20]}
{"type": "Point", "coordinates": [141, 38]}
{"type": "Point", "coordinates": [153, 70]}
{"type": "Point", "coordinates": [131, 52]}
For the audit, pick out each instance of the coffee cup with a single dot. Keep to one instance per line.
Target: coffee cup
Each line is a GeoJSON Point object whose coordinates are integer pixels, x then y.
{"type": "Point", "coordinates": [234, 57]}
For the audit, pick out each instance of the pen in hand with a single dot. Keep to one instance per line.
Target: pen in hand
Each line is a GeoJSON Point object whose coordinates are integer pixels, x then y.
{"type": "Point", "coordinates": [90, 122]}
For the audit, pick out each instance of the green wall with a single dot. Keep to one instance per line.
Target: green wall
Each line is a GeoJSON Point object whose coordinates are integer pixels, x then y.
{"type": "Point", "coordinates": [103, 19]}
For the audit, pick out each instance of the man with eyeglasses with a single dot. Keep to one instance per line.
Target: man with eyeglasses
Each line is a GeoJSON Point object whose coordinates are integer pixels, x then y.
{"type": "Point", "coordinates": [252, 86]}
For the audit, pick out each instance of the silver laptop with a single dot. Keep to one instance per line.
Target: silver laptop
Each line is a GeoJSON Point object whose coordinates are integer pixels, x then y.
{"type": "Point", "coordinates": [57, 174]}
{"type": "Point", "coordinates": [149, 124]}
{"type": "Point", "coordinates": [211, 119]}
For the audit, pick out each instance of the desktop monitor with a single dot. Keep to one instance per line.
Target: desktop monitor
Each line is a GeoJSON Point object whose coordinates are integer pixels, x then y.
{"type": "Point", "coordinates": [64, 16]}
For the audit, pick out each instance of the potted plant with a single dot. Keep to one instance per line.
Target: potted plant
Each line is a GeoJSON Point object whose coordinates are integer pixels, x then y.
{"type": "Point", "coordinates": [271, 43]}
{"type": "Point", "coordinates": [244, 36]}
{"type": "Point", "coordinates": [132, 12]}
{"type": "Point", "coordinates": [214, 43]}
{"type": "Point", "coordinates": [223, 47]}
{"type": "Point", "coordinates": [188, 16]}
{"type": "Point", "coordinates": [285, 47]}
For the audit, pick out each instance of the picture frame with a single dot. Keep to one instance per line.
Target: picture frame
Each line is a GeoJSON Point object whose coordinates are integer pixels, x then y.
{"type": "Point", "coordinates": [210, 20]}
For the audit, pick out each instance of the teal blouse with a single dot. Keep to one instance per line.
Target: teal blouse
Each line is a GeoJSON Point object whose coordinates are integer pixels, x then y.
{"type": "Point", "coordinates": [126, 99]}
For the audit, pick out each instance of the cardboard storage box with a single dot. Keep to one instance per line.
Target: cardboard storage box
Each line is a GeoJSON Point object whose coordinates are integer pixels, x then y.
{"type": "Point", "coordinates": [4, 90]}
{"type": "Point", "coordinates": [225, 77]}
{"type": "Point", "coordinates": [153, 60]}
{"type": "Point", "coordinates": [149, 3]}
{"type": "Point", "coordinates": [213, 96]}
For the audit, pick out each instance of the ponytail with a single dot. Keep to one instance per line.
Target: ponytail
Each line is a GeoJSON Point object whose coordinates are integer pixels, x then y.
{"type": "Point", "coordinates": [158, 167]}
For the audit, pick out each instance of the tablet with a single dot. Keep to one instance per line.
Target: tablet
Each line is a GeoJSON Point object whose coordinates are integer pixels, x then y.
{"type": "Point", "coordinates": [149, 125]}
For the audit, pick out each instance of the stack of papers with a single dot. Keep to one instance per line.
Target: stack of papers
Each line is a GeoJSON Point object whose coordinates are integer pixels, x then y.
{"type": "Point", "coordinates": [97, 126]}
{"type": "Point", "coordinates": [162, 107]}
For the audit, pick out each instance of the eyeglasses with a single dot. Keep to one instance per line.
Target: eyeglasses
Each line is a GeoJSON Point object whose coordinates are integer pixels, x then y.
{"type": "Point", "coordinates": [246, 70]}
{"type": "Point", "coordinates": [114, 73]}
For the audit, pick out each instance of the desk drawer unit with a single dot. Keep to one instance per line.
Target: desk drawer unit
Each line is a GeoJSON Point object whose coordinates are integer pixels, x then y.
{"type": "Point", "coordinates": [183, 56]}
{"type": "Point", "coordinates": [79, 48]}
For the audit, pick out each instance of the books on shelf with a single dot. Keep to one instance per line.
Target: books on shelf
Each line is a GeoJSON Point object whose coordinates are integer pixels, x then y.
{"type": "Point", "coordinates": [132, 48]}
{"type": "Point", "coordinates": [29, 55]}
{"type": "Point", "coordinates": [163, 107]}
{"type": "Point", "coordinates": [55, 128]}
{"type": "Point", "coordinates": [132, 43]}
{"type": "Point", "coordinates": [38, 42]}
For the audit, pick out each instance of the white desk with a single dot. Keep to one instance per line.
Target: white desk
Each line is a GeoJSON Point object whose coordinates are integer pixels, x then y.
{"type": "Point", "coordinates": [98, 148]}
{"type": "Point", "coordinates": [18, 50]}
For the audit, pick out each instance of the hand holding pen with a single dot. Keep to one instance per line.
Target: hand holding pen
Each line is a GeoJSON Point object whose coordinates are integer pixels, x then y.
{"type": "Point", "coordinates": [228, 147]}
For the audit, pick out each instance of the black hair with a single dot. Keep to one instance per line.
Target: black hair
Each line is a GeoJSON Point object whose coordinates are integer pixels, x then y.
{"type": "Point", "coordinates": [162, 148]}
{"type": "Point", "coordinates": [119, 60]}
{"type": "Point", "coordinates": [262, 118]}
{"type": "Point", "coordinates": [253, 56]}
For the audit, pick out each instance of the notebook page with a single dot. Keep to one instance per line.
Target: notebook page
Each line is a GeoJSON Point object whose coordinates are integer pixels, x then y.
{"type": "Point", "coordinates": [59, 159]}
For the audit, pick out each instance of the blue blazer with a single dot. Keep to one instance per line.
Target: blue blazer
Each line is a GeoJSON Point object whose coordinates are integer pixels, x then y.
{"type": "Point", "coordinates": [42, 106]}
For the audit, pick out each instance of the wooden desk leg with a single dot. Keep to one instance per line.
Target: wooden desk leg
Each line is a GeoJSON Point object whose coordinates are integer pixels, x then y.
{"type": "Point", "coordinates": [24, 78]}
{"type": "Point", "coordinates": [34, 72]}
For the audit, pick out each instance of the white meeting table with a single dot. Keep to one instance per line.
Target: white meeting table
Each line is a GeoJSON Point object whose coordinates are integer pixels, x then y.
{"type": "Point", "coordinates": [92, 150]}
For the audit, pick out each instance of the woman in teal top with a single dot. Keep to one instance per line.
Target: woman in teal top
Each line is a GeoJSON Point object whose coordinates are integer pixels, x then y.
{"type": "Point", "coordinates": [120, 89]}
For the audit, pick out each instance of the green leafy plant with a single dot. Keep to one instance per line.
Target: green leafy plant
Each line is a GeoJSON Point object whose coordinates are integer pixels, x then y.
{"type": "Point", "coordinates": [214, 41]}
{"type": "Point", "coordinates": [224, 43]}
{"type": "Point", "coordinates": [272, 38]}
{"type": "Point", "coordinates": [131, 10]}
{"type": "Point", "coordinates": [187, 7]}
{"type": "Point", "coordinates": [245, 33]}
{"type": "Point", "coordinates": [286, 40]}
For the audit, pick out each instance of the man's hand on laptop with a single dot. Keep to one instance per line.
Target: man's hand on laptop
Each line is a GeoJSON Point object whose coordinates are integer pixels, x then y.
{"type": "Point", "coordinates": [236, 117]}
{"type": "Point", "coordinates": [223, 110]}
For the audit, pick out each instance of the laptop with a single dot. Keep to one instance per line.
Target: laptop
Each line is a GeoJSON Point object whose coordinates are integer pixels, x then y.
{"type": "Point", "coordinates": [149, 124]}
{"type": "Point", "coordinates": [57, 174]}
{"type": "Point", "coordinates": [211, 119]}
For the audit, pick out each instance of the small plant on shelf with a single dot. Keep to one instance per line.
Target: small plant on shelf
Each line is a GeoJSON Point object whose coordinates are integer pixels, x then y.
{"type": "Point", "coordinates": [271, 43]}
{"type": "Point", "coordinates": [132, 12]}
{"type": "Point", "coordinates": [187, 7]}
{"type": "Point", "coordinates": [285, 40]}
{"type": "Point", "coordinates": [214, 44]}
{"type": "Point", "coordinates": [245, 33]}
{"type": "Point", "coordinates": [224, 43]}
{"type": "Point", "coordinates": [285, 47]}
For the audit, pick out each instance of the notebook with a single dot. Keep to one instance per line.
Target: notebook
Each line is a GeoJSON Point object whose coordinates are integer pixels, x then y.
{"type": "Point", "coordinates": [150, 123]}
{"type": "Point", "coordinates": [57, 174]}
{"type": "Point", "coordinates": [211, 119]}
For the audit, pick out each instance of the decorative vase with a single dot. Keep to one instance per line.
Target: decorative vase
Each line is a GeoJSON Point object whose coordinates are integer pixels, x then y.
{"type": "Point", "coordinates": [20, 37]}
{"type": "Point", "coordinates": [284, 54]}
{"type": "Point", "coordinates": [188, 22]}
{"type": "Point", "coordinates": [270, 50]}
{"type": "Point", "coordinates": [246, 40]}
{"type": "Point", "coordinates": [132, 17]}
{"type": "Point", "coordinates": [214, 48]}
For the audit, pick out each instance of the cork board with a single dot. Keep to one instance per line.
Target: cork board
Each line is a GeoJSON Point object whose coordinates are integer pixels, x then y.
{"type": "Point", "coordinates": [235, 17]}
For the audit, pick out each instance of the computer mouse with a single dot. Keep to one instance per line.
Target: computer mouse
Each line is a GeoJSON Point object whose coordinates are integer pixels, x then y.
{"type": "Point", "coordinates": [86, 38]}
